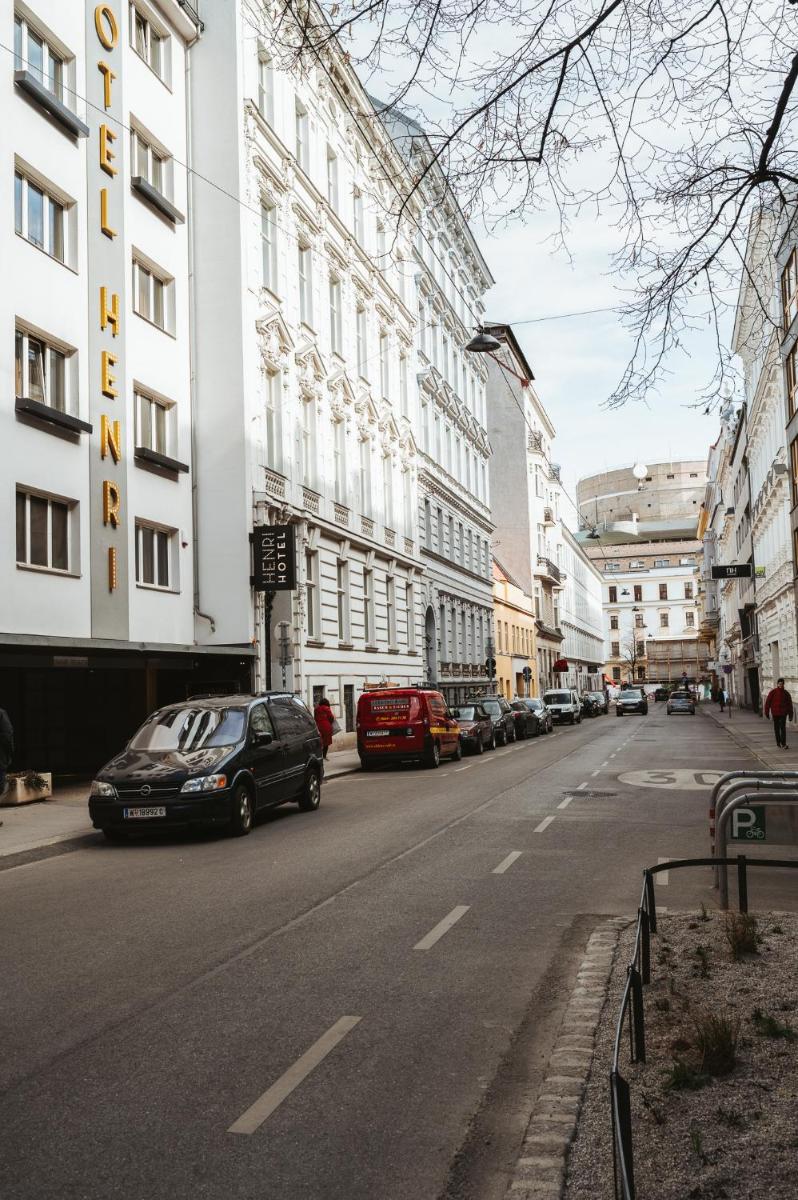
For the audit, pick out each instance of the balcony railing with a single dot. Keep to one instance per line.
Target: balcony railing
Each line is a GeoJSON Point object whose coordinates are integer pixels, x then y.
{"type": "Point", "coordinates": [548, 516]}
{"type": "Point", "coordinates": [549, 568]}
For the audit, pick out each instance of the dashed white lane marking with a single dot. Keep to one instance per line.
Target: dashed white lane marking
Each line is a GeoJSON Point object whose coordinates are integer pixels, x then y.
{"type": "Point", "coordinates": [581, 787]}
{"type": "Point", "coordinates": [593, 773]}
{"type": "Point", "coordinates": [662, 877]}
{"type": "Point", "coordinates": [613, 754]}
{"type": "Point", "coordinates": [467, 767]}
{"type": "Point", "coordinates": [564, 803]}
{"type": "Point", "coordinates": [501, 752]}
{"type": "Point", "coordinates": [442, 927]}
{"type": "Point", "coordinates": [606, 762]}
{"type": "Point", "coordinates": [265, 1105]}
{"type": "Point", "coordinates": [544, 824]}
{"type": "Point", "coordinates": [507, 862]}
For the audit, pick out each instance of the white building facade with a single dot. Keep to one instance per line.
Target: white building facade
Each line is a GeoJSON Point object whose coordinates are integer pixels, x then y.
{"type": "Point", "coordinates": [96, 527]}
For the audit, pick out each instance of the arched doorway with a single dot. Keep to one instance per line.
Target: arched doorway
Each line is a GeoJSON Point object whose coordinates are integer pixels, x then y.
{"type": "Point", "coordinates": [430, 647]}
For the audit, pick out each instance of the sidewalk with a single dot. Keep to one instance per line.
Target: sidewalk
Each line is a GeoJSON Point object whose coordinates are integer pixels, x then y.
{"type": "Point", "coordinates": [65, 818]}
{"type": "Point", "coordinates": [755, 735]}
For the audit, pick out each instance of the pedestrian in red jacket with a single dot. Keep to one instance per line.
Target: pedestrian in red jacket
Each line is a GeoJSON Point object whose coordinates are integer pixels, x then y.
{"type": "Point", "coordinates": [324, 718]}
{"type": "Point", "coordinates": [779, 704]}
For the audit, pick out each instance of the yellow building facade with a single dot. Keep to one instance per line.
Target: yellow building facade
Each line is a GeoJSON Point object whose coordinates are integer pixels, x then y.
{"type": "Point", "coordinates": [515, 636]}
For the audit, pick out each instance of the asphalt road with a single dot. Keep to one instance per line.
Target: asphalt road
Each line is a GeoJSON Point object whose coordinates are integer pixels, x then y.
{"type": "Point", "coordinates": [352, 1004]}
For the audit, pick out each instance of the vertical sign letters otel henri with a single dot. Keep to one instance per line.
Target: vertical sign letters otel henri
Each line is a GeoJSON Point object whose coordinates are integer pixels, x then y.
{"type": "Point", "coordinates": [107, 273]}
{"type": "Point", "coordinates": [273, 553]}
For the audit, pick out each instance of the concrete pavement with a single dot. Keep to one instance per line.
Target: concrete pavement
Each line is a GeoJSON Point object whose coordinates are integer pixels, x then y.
{"type": "Point", "coordinates": [354, 1003]}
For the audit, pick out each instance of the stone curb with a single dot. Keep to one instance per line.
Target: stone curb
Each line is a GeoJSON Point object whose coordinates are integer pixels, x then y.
{"type": "Point", "coordinates": [540, 1168]}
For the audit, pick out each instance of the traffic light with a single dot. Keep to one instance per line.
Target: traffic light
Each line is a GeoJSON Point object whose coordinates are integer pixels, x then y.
{"type": "Point", "coordinates": [527, 673]}
{"type": "Point", "coordinates": [490, 665]}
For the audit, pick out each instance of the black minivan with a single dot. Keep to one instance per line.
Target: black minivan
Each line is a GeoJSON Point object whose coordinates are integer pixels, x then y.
{"type": "Point", "coordinates": [214, 761]}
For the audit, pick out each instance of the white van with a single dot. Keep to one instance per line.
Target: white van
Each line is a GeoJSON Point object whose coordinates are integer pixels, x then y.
{"type": "Point", "coordinates": [564, 706]}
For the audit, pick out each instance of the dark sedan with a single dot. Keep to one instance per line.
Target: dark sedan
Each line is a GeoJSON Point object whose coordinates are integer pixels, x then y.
{"type": "Point", "coordinates": [500, 714]}
{"type": "Point", "coordinates": [544, 722]}
{"type": "Point", "coordinates": [476, 728]}
{"type": "Point", "coordinates": [526, 724]}
{"type": "Point", "coordinates": [211, 762]}
{"type": "Point", "coordinates": [631, 700]}
{"type": "Point", "coordinates": [600, 700]}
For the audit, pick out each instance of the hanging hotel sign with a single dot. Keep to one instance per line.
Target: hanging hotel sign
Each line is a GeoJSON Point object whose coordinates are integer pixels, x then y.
{"type": "Point", "coordinates": [106, 281]}
{"type": "Point", "coordinates": [273, 558]}
{"type": "Point", "coordinates": [732, 571]}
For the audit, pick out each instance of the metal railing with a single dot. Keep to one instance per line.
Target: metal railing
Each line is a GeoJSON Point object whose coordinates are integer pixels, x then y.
{"type": "Point", "coordinates": [638, 975]}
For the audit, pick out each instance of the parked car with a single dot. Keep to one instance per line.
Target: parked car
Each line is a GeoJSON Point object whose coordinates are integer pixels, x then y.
{"type": "Point", "coordinates": [600, 699]}
{"type": "Point", "coordinates": [216, 761]}
{"type": "Point", "coordinates": [405, 724]}
{"type": "Point", "coordinates": [590, 706]}
{"type": "Point", "coordinates": [526, 724]}
{"type": "Point", "coordinates": [631, 700]}
{"type": "Point", "coordinates": [564, 705]}
{"type": "Point", "coordinates": [501, 714]}
{"type": "Point", "coordinates": [543, 722]}
{"type": "Point", "coordinates": [681, 702]}
{"type": "Point", "coordinates": [476, 728]}
{"type": "Point", "coordinates": [662, 693]}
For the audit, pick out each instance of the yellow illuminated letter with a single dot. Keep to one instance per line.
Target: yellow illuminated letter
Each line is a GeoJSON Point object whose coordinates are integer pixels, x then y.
{"type": "Point", "coordinates": [111, 503]}
{"type": "Point", "coordinates": [106, 26]}
{"type": "Point", "coordinates": [104, 226]}
{"type": "Point", "coordinates": [107, 380]}
{"type": "Point", "coordinates": [112, 575]}
{"type": "Point", "coordinates": [109, 316]}
{"type": "Point", "coordinates": [110, 438]}
{"type": "Point", "coordinates": [106, 153]}
{"type": "Point", "coordinates": [108, 77]}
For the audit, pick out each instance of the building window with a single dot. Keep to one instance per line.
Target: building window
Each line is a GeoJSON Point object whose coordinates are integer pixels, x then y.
{"type": "Point", "coordinates": [153, 417]}
{"type": "Point", "coordinates": [368, 606]}
{"type": "Point", "coordinates": [640, 649]}
{"type": "Point", "coordinates": [390, 608]}
{"type": "Point", "coordinates": [312, 592]}
{"type": "Point", "coordinates": [688, 591]}
{"type": "Point", "coordinates": [266, 87]}
{"type": "Point", "coordinates": [360, 338]}
{"type": "Point", "coordinates": [639, 622]}
{"type": "Point", "coordinates": [43, 533]}
{"type": "Point", "coordinates": [663, 591]}
{"type": "Point", "coordinates": [384, 366]}
{"type": "Point", "coordinates": [613, 621]}
{"type": "Point", "coordinates": [615, 649]}
{"type": "Point", "coordinates": [403, 389]}
{"type": "Point", "coordinates": [636, 564]}
{"type": "Point", "coordinates": [613, 594]}
{"type": "Point", "coordinates": [663, 620]}
{"type": "Point", "coordinates": [151, 163]}
{"type": "Point", "coordinates": [357, 214]}
{"type": "Point", "coordinates": [151, 294]}
{"type": "Point", "coordinates": [301, 129]}
{"type": "Point", "coordinates": [641, 673]}
{"type": "Point", "coordinates": [339, 453]}
{"type": "Point", "coordinates": [148, 42]}
{"type": "Point", "coordinates": [410, 620]}
{"type": "Point", "coordinates": [349, 707]}
{"type": "Point", "coordinates": [616, 673]}
{"type": "Point", "coordinates": [153, 556]}
{"type": "Point", "coordinates": [638, 591]}
{"type": "Point", "coordinates": [268, 235]}
{"type": "Point", "coordinates": [332, 178]}
{"type": "Point", "coordinates": [33, 53]}
{"type": "Point", "coordinates": [792, 382]}
{"type": "Point", "coordinates": [342, 582]}
{"type": "Point", "coordinates": [365, 477]}
{"type": "Point", "coordinates": [387, 491]}
{"type": "Point", "coordinates": [428, 524]}
{"type": "Point", "coordinates": [274, 420]}
{"type": "Point", "coordinates": [794, 463]}
{"type": "Point", "coordinates": [39, 217]}
{"type": "Point", "coordinates": [662, 562]}
{"type": "Point", "coordinates": [689, 619]}
{"type": "Point", "coordinates": [308, 443]}
{"type": "Point", "coordinates": [305, 285]}
{"type": "Point", "coordinates": [336, 335]}
{"type": "Point", "coordinates": [789, 289]}
{"type": "Point", "coordinates": [41, 371]}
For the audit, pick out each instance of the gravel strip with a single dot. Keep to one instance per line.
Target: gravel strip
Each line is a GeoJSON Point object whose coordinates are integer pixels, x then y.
{"type": "Point", "coordinates": [728, 1137]}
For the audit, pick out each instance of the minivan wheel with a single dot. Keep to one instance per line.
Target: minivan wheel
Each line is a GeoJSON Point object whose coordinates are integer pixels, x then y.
{"type": "Point", "coordinates": [434, 756]}
{"type": "Point", "coordinates": [243, 814]}
{"type": "Point", "coordinates": [310, 796]}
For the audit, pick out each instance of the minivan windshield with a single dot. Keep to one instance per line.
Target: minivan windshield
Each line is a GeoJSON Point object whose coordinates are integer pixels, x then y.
{"type": "Point", "coordinates": [190, 728]}
{"type": "Point", "coordinates": [557, 697]}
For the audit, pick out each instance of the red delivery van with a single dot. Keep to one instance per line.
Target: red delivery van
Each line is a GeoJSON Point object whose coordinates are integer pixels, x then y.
{"type": "Point", "coordinates": [401, 724]}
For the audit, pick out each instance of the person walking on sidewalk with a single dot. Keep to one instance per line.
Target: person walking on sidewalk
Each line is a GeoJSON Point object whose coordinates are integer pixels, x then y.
{"type": "Point", "coordinates": [325, 720]}
{"type": "Point", "coordinates": [6, 748]}
{"type": "Point", "coordinates": [779, 705]}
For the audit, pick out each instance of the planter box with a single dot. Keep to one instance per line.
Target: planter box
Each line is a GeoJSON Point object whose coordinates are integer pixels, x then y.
{"type": "Point", "coordinates": [18, 791]}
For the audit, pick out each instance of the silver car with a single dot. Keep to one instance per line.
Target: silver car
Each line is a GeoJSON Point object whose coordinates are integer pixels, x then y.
{"type": "Point", "coordinates": [681, 702]}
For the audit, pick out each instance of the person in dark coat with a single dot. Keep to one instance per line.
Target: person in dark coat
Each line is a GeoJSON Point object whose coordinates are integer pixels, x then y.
{"type": "Point", "coordinates": [779, 705]}
{"type": "Point", "coordinates": [324, 718]}
{"type": "Point", "coordinates": [6, 747]}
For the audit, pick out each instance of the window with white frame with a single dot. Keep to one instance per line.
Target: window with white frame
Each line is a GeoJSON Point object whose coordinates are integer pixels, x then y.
{"type": "Point", "coordinates": [342, 588]}
{"type": "Point", "coordinates": [689, 619]}
{"type": "Point", "coordinates": [154, 418]}
{"type": "Point", "coordinates": [274, 420]}
{"type": "Point", "coordinates": [390, 608]}
{"type": "Point", "coordinates": [42, 370]}
{"type": "Point", "coordinates": [384, 366]}
{"type": "Point", "coordinates": [382, 247]}
{"type": "Point", "coordinates": [268, 243]}
{"type": "Point", "coordinates": [368, 607]}
{"type": "Point", "coordinates": [407, 501]}
{"type": "Point", "coordinates": [151, 162]}
{"type": "Point", "coordinates": [40, 217]}
{"type": "Point", "coordinates": [403, 388]}
{"type": "Point", "coordinates": [365, 477]}
{"type": "Point", "coordinates": [410, 622]}
{"type": "Point", "coordinates": [422, 328]}
{"type": "Point", "coordinates": [336, 330]}
{"type": "Point", "coordinates": [152, 294]}
{"type": "Point", "coordinates": [308, 443]}
{"type": "Point", "coordinates": [34, 53]}
{"type": "Point", "coordinates": [387, 490]}
{"type": "Point", "coordinates": [332, 178]}
{"type": "Point", "coordinates": [360, 339]}
{"type": "Point", "coordinates": [266, 86]}
{"type": "Point", "coordinates": [154, 548]}
{"type": "Point", "coordinates": [149, 42]}
{"type": "Point", "coordinates": [339, 454]}
{"type": "Point", "coordinates": [312, 593]}
{"type": "Point", "coordinates": [43, 531]}
{"type": "Point", "coordinates": [305, 285]}
{"type": "Point", "coordinates": [357, 215]}
{"type": "Point", "coordinates": [301, 131]}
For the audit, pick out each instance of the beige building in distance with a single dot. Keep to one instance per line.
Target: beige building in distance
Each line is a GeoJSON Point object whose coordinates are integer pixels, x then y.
{"type": "Point", "coordinates": [515, 641]}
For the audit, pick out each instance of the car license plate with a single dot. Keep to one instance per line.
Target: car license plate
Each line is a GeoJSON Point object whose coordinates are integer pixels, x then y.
{"type": "Point", "coordinates": [142, 813]}
{"type": "Point", "coordinates": [378, 733]}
